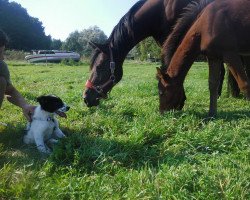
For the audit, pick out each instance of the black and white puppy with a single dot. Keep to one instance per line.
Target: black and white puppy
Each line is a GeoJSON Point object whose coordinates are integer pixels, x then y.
{"type": "Point", "coordinates": [44, 126]}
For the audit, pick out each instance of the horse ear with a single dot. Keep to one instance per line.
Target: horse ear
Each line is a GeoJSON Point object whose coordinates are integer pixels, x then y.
{"type": "Point", "coordinates": [92, 44]}
{"type": "Point", "coordinates": [102, 47]}
{"type": "Point", "coordinates": [162, 77]}
{"type": "Point", "coordinates": [159, 74]}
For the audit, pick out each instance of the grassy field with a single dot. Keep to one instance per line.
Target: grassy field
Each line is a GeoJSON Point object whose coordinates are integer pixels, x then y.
{"type": "Point", "coordinates": [124, 149]}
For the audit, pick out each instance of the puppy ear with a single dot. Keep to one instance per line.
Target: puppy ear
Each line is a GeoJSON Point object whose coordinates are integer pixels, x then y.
{"type": "Point", "coordinates": [38, 99]}
{"type": "Point", "coordinates": [41, 100]}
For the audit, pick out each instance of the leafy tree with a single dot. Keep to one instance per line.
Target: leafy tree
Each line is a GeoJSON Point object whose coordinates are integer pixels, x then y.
{"type": "Point", "coordinates": [56, 44]}
{"type": "Point", "coordinates": [148, 50]}
{"type": "Point", "coordinates": [72, 43]}
{"type": "Point", "coordinates": [79, 41]}
{"type": "Point", "coordinates": [91, 34]}
{"type": "Point", "coordinates": [25, 32]}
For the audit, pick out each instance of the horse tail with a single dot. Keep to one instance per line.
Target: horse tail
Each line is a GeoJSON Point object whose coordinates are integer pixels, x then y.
{"type": "Point", "coordinates": [181, 27]}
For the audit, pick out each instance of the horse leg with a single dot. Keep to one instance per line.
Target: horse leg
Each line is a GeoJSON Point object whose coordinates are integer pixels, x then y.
{"type": "Point", "coordinates": [233, 86]}
{"type": "Point", "coordinates": [222, 76]}
{"type": "Point", "coordinates": [214, 81]}
{"type": "Point", "coordinates": [246, 63]}
{"type": "Point", "coordinates": [235, 65]}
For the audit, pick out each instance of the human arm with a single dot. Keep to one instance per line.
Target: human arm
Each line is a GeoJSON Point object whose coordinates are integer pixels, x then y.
{"type": "Point", "coordinates": [3, 85]}
{"type": "Point", "coordinates": [14, 97]}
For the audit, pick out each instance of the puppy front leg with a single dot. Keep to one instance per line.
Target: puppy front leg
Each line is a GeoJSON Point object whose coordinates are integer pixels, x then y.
{"type": "Point", "coordinates": [59, 133]}
{"type": "Point", "coordinates": [52, 141]}
{"type": "Point", "coordinates": [28, 138]}
{"type": "Point", "coordinates": [41, 145]}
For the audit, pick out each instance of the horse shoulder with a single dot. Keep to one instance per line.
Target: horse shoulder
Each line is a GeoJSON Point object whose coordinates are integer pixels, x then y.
{"type": "Point", "coordinates": [213, 26]}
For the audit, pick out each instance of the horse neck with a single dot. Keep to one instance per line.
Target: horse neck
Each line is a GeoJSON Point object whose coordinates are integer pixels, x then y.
{"type": "Point", "coordinates": [145, 19]}
{"type": "Point", "coordinates": [184, 57]}
{"type": "Point", "coordinates": [152, 18]}
{"type": "Point", "coordinates": [181, 27]}
{"type": "Point", "coordinates": [121, 49]}
{"type": "Point", "coordinates": [122, 44]}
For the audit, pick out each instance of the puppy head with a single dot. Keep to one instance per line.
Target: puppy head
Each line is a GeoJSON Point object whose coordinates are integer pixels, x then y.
{"type": "Point", "coordinates": [53, 104]}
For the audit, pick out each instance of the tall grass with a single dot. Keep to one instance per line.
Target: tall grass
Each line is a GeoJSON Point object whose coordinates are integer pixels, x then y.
{"type": "Point", "coordinates": [124, 149]}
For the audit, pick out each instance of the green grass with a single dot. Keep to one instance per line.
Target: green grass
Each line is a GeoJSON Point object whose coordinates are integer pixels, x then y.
{"type": "Point", "coordinates": [124, 149]}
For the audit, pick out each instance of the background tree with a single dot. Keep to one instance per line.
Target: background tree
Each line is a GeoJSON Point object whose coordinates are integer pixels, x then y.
{"type": "Point", "coordinates": [72, 43]}
{"type": "Point", "coordinates": [56, 44]}
{"type": "Point", "coordinates": [79, 41]}
{"type": "Point", "coordinates": [25, 32]}
{"type": "Point", "coordinates": [148, 50]}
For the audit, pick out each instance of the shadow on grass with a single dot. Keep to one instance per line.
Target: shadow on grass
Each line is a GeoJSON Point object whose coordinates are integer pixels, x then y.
{"type": "Point", "coordinates": [85, 152]}
{"type": "Point", "coordinates": [96, 154]}
{"type": "Point", "coordinates": [14, 151]}
{"type": "Point", "coordinates": [226, 116]}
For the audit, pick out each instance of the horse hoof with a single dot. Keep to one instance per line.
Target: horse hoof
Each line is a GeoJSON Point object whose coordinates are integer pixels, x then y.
{"type": "Point", "coordinates": [212, 115]}
{"type": "Point", "coordinates": [208, 119]}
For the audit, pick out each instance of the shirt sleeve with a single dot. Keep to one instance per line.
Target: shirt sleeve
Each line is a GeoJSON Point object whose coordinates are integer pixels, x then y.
{"type": "Point", "coordinates": [4, 71]}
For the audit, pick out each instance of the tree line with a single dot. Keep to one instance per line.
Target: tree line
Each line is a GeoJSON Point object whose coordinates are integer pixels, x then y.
{"type": "Point", "coordinates": [27, 33]}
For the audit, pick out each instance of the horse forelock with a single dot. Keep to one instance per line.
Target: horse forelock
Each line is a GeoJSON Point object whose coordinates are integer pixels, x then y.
{"type": "Point", "coordinates": [93, 58]}
{"type": "Point", "coordinates": [191, 13]}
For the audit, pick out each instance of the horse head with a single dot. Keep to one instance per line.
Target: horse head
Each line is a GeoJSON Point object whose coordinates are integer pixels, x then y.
{"type": "Point", "coordinates": [102, 77]}
{"type": "Point", "coordinates": [171, 92]}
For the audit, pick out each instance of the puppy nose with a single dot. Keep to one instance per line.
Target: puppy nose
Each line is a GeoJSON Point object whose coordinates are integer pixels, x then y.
{"type": "Point", "coordinates": [67, 108]}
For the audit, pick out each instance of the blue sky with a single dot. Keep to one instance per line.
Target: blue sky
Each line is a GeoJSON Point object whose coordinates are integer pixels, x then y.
{"type": "Point", "coordinates": [61, 17]}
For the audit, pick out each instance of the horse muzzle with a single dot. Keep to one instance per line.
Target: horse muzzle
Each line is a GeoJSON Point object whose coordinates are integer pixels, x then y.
{"type": "Point", "coordinates": [91, 98]}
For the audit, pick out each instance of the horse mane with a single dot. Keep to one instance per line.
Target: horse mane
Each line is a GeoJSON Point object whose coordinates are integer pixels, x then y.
{"type": "Point", "coordinates": [124, 29]}
{"type": "Point", "coordinates": [93, 58]}
{"type": "Point", "coordinates": [122, 32]}
{"type": "Point", "coordinates": [192, 11]}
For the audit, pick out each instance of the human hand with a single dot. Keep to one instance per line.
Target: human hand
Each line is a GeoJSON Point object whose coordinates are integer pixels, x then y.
{"type": "Point", "coordinates": [28, 111]}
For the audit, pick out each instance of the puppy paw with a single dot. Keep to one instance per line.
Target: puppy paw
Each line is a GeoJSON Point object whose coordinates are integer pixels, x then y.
{"type": "Point", "coordinates": [52, 141]}
{"type": "Point", "coordinates": [26, 140]}
{"type": "Point", "coordinates": [59, 133]}
{"type": "Point", "coordinates": [43, 149]}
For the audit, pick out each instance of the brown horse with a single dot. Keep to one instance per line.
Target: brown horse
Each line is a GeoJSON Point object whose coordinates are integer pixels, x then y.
{"type": "Point", "coordinates": [221, 32]}
{"type": "Point", "coordinates": [146, 18]}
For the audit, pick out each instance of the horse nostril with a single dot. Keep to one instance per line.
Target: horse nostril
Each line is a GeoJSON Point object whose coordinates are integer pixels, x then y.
{"type": "Point", "coordinates": [85, 101]}
{"type": "Point", "coordinates": [87, 91]}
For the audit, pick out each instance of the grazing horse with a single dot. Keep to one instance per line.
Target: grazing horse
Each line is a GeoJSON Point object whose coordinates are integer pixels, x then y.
{"type": "Point", "coordinates": [221, 32]}
{"type": "Point", "coordinates": [146, 18]}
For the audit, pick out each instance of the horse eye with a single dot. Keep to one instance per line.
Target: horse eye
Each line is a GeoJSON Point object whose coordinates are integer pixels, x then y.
{"type": "Point", "coordinates": [98, 67]}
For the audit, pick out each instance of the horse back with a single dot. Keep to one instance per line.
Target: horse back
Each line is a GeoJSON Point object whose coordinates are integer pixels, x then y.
{"type": "Point", "coordinates": [160, 16]}
{"type": "Point", "coordinates": [225, 25]}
